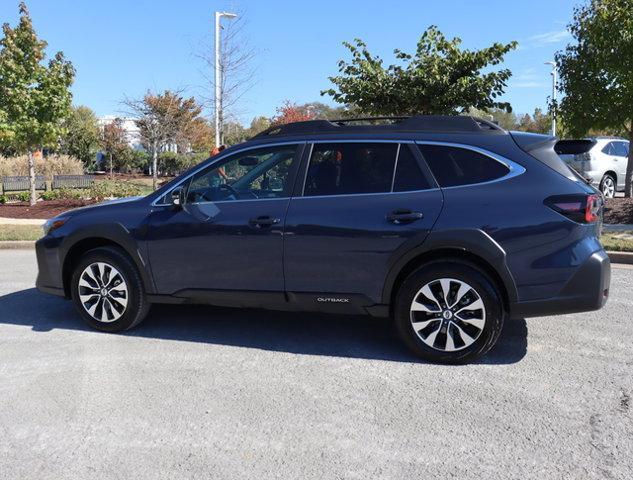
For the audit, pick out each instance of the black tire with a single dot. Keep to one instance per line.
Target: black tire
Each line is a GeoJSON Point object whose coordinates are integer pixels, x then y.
{"type": "Point", "coordinates": [137, 306]}
{"type": "Point", "coordinates": [605, 178]}
{"type": "Point", "coordinates": [493, 315]}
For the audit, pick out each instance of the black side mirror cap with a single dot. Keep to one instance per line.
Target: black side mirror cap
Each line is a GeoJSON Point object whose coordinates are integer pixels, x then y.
{"type": "Point", "coordinates": [178, 197]}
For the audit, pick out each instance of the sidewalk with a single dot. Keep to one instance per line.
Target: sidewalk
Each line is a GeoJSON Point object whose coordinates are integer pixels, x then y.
{"type": "Point", "coordinates": [21, 221]}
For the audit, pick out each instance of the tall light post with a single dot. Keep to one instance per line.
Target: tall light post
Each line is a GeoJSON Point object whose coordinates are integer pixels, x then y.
{"type": "Point", "coordinates": [554, 75]}
{"type": "Point", "coordinates": [218, 76]}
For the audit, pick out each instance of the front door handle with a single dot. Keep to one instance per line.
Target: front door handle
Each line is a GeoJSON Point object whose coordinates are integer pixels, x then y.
{"type": "Point", "coordinates": [402, 216]}
{"type": "Point", "coordinates": [263, 221]}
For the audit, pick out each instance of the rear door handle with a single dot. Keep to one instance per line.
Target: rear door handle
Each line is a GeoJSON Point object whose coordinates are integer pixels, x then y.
{"type": "Point", "coordinates": [263, 221]}
{"type": "Point", "coordinates": [402, 216]}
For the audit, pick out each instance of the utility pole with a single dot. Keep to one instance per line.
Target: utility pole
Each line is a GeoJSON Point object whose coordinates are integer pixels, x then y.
{"type": "Point", "coordinates": [554, 79]}
{"type": "Point", "coordinates": [218, 77]}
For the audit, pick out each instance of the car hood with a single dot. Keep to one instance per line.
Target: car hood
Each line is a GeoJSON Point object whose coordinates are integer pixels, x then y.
{"type": "Point", "coordinates": [99, 205]}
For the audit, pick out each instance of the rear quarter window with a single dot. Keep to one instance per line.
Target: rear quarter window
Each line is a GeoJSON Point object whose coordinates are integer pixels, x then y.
{"type": "Point", "coordinates": [455, 166]}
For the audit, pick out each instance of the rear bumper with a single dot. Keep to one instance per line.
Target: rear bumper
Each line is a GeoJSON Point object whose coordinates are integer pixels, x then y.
{"type": "Point", "coordinates": [587, 290]}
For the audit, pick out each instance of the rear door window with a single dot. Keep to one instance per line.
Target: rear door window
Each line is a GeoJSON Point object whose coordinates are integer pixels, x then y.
{"type": "Point", "coordinates": [408, 176]}
{"type": "Point", "coordinates": [609, 149]}
{"type": "Point", "coordinates": [455, 166]}
{"type": "Point", "coordinates": [621, 149]}
{"type": "Point", "coordinates": [350, 168]}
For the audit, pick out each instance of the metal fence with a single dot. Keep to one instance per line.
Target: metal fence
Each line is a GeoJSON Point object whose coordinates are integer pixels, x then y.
{"type": "Point", "coordinates": [72, 181]}
{"type": "Point", "coordinates": [18, 183]}
{"type": "Point", "coordinates": [21, 182]}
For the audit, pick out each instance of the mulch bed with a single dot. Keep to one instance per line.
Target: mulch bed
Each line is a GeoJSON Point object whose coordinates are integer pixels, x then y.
{"type": "Point", "coordinates": [618, 210]}
{"type": "Point", "coordinates": [43, 209]}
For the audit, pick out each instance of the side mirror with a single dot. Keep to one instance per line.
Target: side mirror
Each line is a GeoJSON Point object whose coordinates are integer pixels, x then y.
{"type": "Point", "coordinates": [178, 197]}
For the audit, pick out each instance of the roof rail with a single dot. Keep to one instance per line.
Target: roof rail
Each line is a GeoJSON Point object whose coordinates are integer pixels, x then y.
{"type": "Point", "coordinates": [417, 123]}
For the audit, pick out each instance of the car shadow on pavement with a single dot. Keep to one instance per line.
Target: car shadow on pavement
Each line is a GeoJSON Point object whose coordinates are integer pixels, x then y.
{"type": "Point", "coordinates": [302, 333]}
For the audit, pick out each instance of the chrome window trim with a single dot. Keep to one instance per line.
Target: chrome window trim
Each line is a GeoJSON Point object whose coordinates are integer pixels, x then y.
{"type": "Point", "coordinates": [220, 158]}
{"type": "Point", "coordinates": [514, 168]}
{"type": "Point", "coordinates": [395, 168]}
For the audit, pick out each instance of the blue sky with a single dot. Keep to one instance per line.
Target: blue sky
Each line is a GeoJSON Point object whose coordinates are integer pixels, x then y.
{"type": "Point", "coordinates": [123, 48]}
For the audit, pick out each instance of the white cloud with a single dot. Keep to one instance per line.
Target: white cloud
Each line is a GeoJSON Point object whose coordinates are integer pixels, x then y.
{"type": "Point", "coordinates": [528, 85]}
{"type": "Point", "coordinates": [529, 78]}
{"type": "Point", "coordinates": [549, 37]}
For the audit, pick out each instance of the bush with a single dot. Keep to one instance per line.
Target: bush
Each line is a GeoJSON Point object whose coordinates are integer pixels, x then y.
{"type": "Point", "coordinates": [103, 190]}
{"type": "Point", "coordinates": [22, 196]}
{"type": "Point", "coordinates": [130, 161]}
{"type": "Point", "coordinates": [171, 164]}
{"type": "Point", "coordinates": [62, 194]}
{"type": "Point", "coordinates": [3, 199]}
{"type": "Point", "coordinates": [48, 166]}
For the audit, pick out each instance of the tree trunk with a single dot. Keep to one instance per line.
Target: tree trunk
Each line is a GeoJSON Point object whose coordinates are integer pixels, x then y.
{"type": "Point", "coordinates": [32, 198]}
{"type": "Point", "coordinates": [155, 165]}
{"type": "Point", "coordinates": [111, 167]}
{"type": "Point", "coordinates": [628, 185]}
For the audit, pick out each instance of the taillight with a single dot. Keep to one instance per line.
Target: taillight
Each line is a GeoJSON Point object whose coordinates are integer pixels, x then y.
{"type": "Point", "coordinates": [579, 208]}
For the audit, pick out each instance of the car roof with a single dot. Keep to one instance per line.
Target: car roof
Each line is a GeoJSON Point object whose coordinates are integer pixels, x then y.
{"type": "Point", "coordinates": [435, 124]}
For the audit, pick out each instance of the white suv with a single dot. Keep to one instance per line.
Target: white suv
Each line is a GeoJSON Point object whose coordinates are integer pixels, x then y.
{"type": "Point", "coordinates": [604, 164]}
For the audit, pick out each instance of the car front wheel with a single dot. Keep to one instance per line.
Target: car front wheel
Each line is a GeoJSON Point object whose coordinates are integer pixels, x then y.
{"type": "Point", "coordinates": [107, 290]}
{"type": "Point", "coordinates": [449, 312]}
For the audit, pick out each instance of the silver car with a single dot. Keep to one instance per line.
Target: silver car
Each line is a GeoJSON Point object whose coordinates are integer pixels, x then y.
{"type": "Point", "coordinates": [604, 163]}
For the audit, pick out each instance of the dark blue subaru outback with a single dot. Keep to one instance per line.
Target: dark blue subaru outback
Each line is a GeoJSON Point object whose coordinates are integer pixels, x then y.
{"type": "Point", "coordinates": [450, 225]}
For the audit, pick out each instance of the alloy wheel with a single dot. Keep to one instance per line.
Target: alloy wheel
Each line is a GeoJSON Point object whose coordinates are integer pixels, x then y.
{"type": "Point", "coordinates": [608, 187]}
{"type": "Point", "coordinates": [103, 292]}
{"type": "Point", "coordinates": [448, 314]}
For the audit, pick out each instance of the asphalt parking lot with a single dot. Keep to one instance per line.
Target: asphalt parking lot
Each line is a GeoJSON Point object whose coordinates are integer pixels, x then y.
{"type": "Point", "coordinates": [199, 392]}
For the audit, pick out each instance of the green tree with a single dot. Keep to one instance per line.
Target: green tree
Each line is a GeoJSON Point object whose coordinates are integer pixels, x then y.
{"type": "Point", "coordinates": [258, 124]}
{"type": "Point", "coordinates": [537, 123]}
{"type": "Point", "coordinates": [596, 72]}
{"type": "Point", "coordinates": [129, 160]}
{"type": "Point", "coordinates": [34, 97]}
{"type": "Point", "coordinates": [113, 141]}
{"type": "Point", "coordinates": [440, 78]}
{"type": "Point", "coordinates": [163, 119]}
{"type": "Point", "coordinates": [506, 120]}
{"type": "Point", "coordinates": [323, 111]}
{"type": "Point", "coordinates": [234, 133]}
{"type": "Point", "coordinates": [81, 138]}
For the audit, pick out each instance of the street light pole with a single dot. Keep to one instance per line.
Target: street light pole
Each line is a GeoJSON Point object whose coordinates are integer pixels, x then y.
{"type": "Point", "coordinates": [554, 79]}
{"type": "Point", "coordinates": [218, 77]}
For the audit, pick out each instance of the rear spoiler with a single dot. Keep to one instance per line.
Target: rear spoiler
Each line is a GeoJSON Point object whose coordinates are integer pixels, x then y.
{"type": "Point", "coordinates": [546, 149]}
{"type": "Point", "coordinates": [573, 147]}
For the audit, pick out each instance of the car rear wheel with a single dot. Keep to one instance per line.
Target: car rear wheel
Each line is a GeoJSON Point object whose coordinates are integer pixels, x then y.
{"type": "Point", "coordinates": [607, 186]}
{"type": "Point", "coordinates": [107, 290]}
{"type": "Point", "coordinates": [449, 312]}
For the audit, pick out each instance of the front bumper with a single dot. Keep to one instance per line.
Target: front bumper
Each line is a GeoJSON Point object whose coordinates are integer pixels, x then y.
{"type": "Point", "coordinates": [49, 271]}
{"type": "Point", "coordinates": [587, 290]}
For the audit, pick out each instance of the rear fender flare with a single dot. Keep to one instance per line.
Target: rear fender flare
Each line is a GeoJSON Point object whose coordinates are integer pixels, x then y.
{"type": "Point", "coordinates": [471, 241]}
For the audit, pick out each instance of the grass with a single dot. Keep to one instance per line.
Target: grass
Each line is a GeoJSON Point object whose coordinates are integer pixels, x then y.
{"type": "Point", "coordinates": [617, 242]}
{"type": "Point", "coordinates": [20, 232]}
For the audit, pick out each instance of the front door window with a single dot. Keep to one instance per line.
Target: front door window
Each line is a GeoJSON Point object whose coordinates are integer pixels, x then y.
{"type": "Point", "coordinates": [262, 173]}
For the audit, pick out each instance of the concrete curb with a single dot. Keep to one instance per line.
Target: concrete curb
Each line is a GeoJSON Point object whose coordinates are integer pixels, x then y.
{"type": "Point", "coordinates": [617, 227]}
{"type": "Point", "coordinates": [17, 245]}
{"type": "Point", "coordinates": [621, 257]}
{"type": "Point", "coordinates": [615, 257]}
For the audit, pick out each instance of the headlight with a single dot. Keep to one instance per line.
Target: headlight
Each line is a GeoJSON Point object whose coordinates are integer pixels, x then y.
{"type": "Point", "coordinates": [53, 224]}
